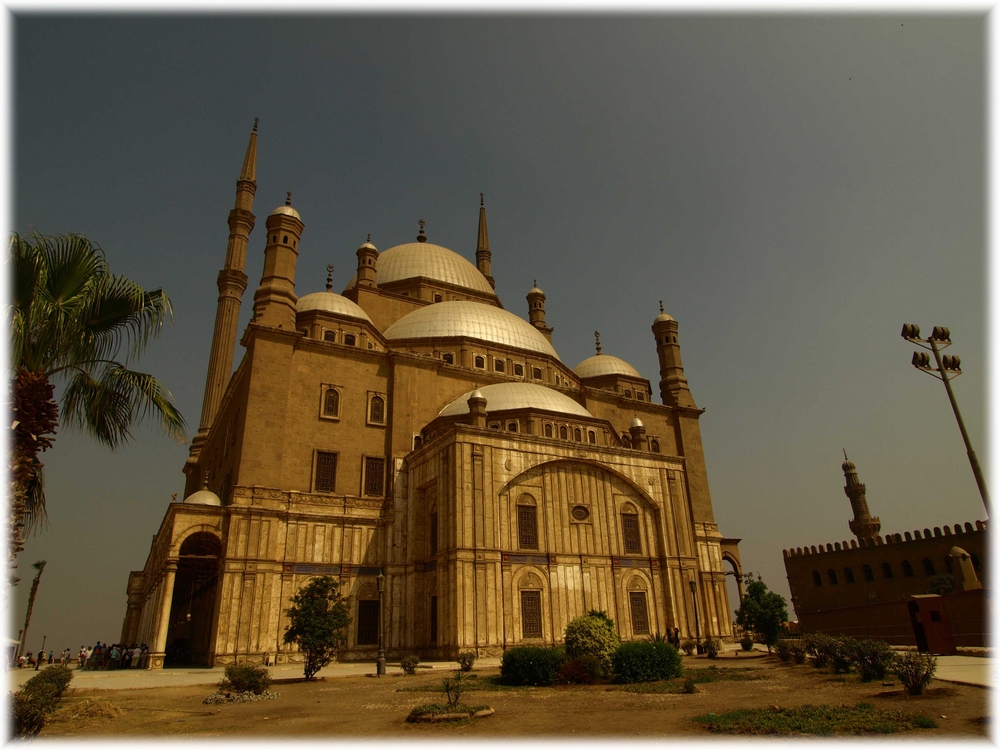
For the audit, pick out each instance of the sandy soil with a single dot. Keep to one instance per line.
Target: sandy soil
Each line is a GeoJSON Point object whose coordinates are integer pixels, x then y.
{"type": "Point", "coordinates": [367, 707]}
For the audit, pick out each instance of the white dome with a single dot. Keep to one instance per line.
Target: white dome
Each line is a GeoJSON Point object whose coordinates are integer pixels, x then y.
{"type": "Point", "coordinates": [203, 497]}
{"type": "Point", "coordinates": [636, 422]}
{"type": "Point", "coordinates": [662, 318]}
{"type": "Point", "coordinates": [430, 261]}
{"type": "Point", "coordinates": [507, 396]}
{"type": "Point", "coordinates": [286, 211]}
{"type": "Point", "coordinates": [330, 302]}
{"type": "Point", "coordinates": [604, 364]}
{"type": "Point", "coordinates": [474, 320]}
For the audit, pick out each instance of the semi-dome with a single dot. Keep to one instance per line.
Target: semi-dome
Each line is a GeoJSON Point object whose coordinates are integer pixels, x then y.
{"type": "Point", "coordinates": [331, 302]}
{"type": "Point", "coordinates": [423, 259]}
{"type": "Point", "coordinates": [507, 396]}
{"type": "Point", "coordinates": [604, 364]}
{"type": "Point", "coordinates": [473, 320]}
{"type": "Point", "coordinates": [203, 497]}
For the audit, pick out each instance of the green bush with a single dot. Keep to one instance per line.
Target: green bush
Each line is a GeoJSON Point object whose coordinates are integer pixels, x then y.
{"type": "Point", "coordinates": [798, 651]}
{"type": "Point", "coordinates": [56, 675]}
{"type": "Point", "coordinates": [873, 658]}
{"type": "Point", "coordinates": [31, 705]}
{"type": "Point", "coordinates": [818, 647]}
{"type": "Point", "coordinates": [746, 644]}
{"type": "Point", "coordinates": [689, 686]}
{"type": "Point", "coordinates": [688, 647]}
{"type": "Point", "coordinates": [712, 648]}
{"type": "Point", "coordinates": [784, 648]}
{"type": "Point", "coordinates": [843, 653]}
{"type": "Point", "coordinates": [466, 659]}
{"type": "Point", "coordinates": [914, 670]}
{"type": "Point", "coordinates": [409, 663]}
{"type": "Point", "coordinates": [642, 661]}
{"type": "Point", "coordinates": [581, 670]}
{"type": "Point", "coordinates": [531, 665]}
{"type": "Point", "coordinates": [592, 635]}
{"type": "Point", "coordinates": [245, 678]}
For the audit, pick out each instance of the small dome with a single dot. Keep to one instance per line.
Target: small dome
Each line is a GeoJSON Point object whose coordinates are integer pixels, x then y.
{"type": "Point", "coordinates": [957, 552]}
{"type": "Point", "coordinates": [507, 396]}
{"type": "Point", "coordinates": [368, 246]}
{"type": "Point", "coordinates": [662, 318]}
{"type": "Point", "coordinates": [331, 302]}
{"type": "Point", "coordinates": [604, 364]}
{"type": "Point", "coordinates": [475, 394]}
{"type": "Point", "coordinates": [424, 259]}
{"type": "Point", "coordinates": [286, 211]}
{"type": "Point", "coordinates": [848, 466]}
{"type": "Point", "coordinates": [536, 290]}
{"type": "Point", "coordinates": [203, 497]}
{"type": "Point", "coordinates": [636, 422]}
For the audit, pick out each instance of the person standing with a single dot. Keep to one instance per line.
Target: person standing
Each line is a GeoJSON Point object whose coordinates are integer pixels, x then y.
{"type": "Point", "coordinates": [39, 659]}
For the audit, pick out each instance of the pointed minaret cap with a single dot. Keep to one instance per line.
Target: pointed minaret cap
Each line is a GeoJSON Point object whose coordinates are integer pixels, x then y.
{"type": "Point", "coordinates": [848, 465]}
{"type": "Point", "coordinates": [249, 171]}
{"type": "Point", "coordinates": [483, 242]}
{"type": "Point", "coordinates": [421, 237]}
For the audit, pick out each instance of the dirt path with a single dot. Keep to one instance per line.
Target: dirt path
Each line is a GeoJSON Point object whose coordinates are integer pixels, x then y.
{"type": "Point", "coordinates": [366, 707]}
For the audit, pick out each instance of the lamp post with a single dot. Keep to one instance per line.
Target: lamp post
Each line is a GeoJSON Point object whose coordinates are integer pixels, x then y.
{"type": "Point", "coordinates": [947, 368]}
{"type": "Point", "coordinates": [380, 662]}
{"type": "Point", "coordinates": [694, 598]}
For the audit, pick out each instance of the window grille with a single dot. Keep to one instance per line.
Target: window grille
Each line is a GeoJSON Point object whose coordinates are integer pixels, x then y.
{"type": "Point", "coordinates": [368, 622]}
{"type": "Point", "coordinates": [527, 527]}
{"type": "Point", "coordinates": [592, 437]}
{"type": "Point", "coordinates": [374, 476]}
{"type": "Point", "coordinates": [531, 614]}
{"type": "Point", "coordinates": [377, 410]}
{"type": "Point", "coordinates": [630, 534]}
{"type": "Point", "coordinates": [326, 471]}
{"type": "Point", "coordinates": [331, 403]}
{"type": "Point", "coordinates": [640, 617]}
{"type": "Point", "coordinates": [578, 435]}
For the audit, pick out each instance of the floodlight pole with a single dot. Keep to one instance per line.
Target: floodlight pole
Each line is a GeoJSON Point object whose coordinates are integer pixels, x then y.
{"type": "Point", "coordinates": [380, 661]}
{"type": "Point", "coordinates": [694, 598]}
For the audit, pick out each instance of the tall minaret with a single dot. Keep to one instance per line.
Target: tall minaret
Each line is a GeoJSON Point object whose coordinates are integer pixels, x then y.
{"type": "Point", "coordinates": [864, 526]}
{"type": "Point", "coordinates": [232, 282]}
{"type": "Point", "coordinates": [674, 389]}
{"type": "Point", "coordinates": [483, 254]}
{"type": "Point", "coordinates": [536, 310]}
{"type": "Point", "coordinates": [274, 301]}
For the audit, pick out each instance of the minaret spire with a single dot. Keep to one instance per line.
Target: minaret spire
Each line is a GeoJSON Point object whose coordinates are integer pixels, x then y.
{"type": "Point", "coordinates": [232, 282]}
{"type": "Point", "coordinates": [597, 335]}
{"type": "Point", "coordinates": [864, 526]}
{"type": "Point", "coordinates": [483, 255]}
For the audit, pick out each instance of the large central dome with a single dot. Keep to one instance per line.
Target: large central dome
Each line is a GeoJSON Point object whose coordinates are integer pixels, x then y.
{"type": "Point", "coordinates": [473, 320]}
{"type": "Point", "coordinates": [422, 259]}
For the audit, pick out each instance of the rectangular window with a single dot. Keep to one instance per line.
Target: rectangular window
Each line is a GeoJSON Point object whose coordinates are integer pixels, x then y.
{"type": "Point", "coordinates": [326, 471]}
{"type": "Point", "coordinates": [368, 622]}
{"type": "Point", "coordinates": [434, 620]}
{"type": "Point", "coordinates": [527, 527]}
{"type": "Point", "coordinates": [374, 476]}
{"type": "Point", "coordinates": [640, 617]}
{"type": "Point", "coordinates": [531, 614]}
{"type": "Point", "coordinates": [630, 534]}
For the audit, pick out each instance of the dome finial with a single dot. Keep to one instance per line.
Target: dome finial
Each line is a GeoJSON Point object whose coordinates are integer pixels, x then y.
{"type": "Point", "coordinates": [288, 198]}
{"type": "Point", "coordinates": [329, 278]}
{"type": "Point", "coordinates": [845, 453]}
{"type": "Point", "coordinates": [481, 201]}
{"type": "Point", "coordinates": [369, 237]}
{"type": "Point", "coordinates": [255, 124]}
{"type": "Point", "coordinates": [661, 307]}
{"type": "Point", "coordinates": [204, 480]}
{"type": "Point", "coordinates": [421, 237]}
{"type": "Point", "coordinates": [597, 335]}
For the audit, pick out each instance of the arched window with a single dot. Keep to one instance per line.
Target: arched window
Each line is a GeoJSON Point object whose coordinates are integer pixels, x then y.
{"type": "Point", "coordinates": [417, 441]}
{"type": "Point", "coordinates": [817, 580]}
{"type": "Point", "coordinates": [640, 396]}
{"type": "Point", "coordinates": [867, 570]}
{"type": "Point", "coordinates": [331, 403]}
{"type": "Point", "coordinates": [519, 370]}
{"type": "Point", "coordinates": [527, 523]}
{"type": "Point", "coordinates": [481, 362]}
{"type": "Point", "coordinates": [848, 575]}
{"type": "Point", "coordinates": [284, 240]}
{"type": "Point", "coordinates": [562, 432]}
{"type": "Point", "coordinates": [578, 435]}
{"type": "Point", "coordinates": [886, 570]}
{"type": "Point", "coordinates": [437, 297]}
{"type": "Point", "coordinates": [628, 393]}
{"type": "Point", "coordinates": [512, 427]}
{"type": "Point", "coordinates": [947, 564]}
{"type": "Point", "coordinates": [630, 532]}
{"type": "Point", "coordinates": [548, 430]}
{"type": "Point", "coordinates": [928, 567]}
{"type": "Point", "coordinates": [536, 373]}
{"type": "Point", "coordinates": [350, 339]}
{"type": "Point", "coordinates": [498, 365]}
{"type": "Point", "coordinates": [448, 358]}
{"type": "Point", "coordinates": [592, 437]}
{"type": "Point", "coordinates": [907, 569]}
{"type": "Point", "coordinates": [330, 336]}
{"type": "Point", "coordinates": [654, 446]}
{"type": "Point", "coordinates": [832, 575]}
{"type": "Point", "coordinates": [377, 410]}
{"type": "Point", "coordinates": [626, 441]}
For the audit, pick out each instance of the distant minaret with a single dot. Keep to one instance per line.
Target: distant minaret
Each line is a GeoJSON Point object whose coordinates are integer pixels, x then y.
{"type": "Point", "coordinates": [536, 310]}
{"type": "Point", "coordinates": [483, 254]}
{"type": "Point", "coordinates": [367, 258]}
{"type": "Point", "coordinates": [232, 282]}
{"type": "Point", "coordinates": [274, 301]}
{"type": "Point", "coordinates": [864, 526]}
{"type": "Point", "coordinates": [674, 389]}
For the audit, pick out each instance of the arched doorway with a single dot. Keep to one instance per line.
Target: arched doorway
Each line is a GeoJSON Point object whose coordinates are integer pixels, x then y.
{"type": "Point", "coordinates": [189, 635]}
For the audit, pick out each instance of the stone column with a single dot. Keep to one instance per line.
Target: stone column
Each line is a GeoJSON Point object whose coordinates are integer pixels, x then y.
{"type": "Point", "coordinates": [159, 646]}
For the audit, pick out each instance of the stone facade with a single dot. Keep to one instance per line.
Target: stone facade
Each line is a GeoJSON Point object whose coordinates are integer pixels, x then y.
{"type": "Point", "coordinates": [413, 427]}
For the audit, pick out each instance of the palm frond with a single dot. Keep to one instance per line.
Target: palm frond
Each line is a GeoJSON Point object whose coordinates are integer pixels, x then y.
{"type": "Point", "coordinates": [122, 313]}
{"type": "Point", "coordinates": [35, 515]}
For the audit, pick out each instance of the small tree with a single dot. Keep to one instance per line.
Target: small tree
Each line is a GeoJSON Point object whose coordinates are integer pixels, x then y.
{"type": "Point", "coordinates": [318, 617]}
{"type": "Point", "coordinates": [942, 583]}
{"type": "Point", "coordinates": [763, 612]}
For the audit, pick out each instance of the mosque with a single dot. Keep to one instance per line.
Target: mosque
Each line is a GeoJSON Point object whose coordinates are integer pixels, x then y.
{"type": "Point", "coordinates": [430, 450]}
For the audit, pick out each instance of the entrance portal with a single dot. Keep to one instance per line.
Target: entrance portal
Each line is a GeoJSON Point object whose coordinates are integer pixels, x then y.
{"type": "Point", "coordinates": [189, 635]}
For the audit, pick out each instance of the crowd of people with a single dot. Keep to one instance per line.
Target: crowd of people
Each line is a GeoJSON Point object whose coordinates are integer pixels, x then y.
{"type": "Point", "coordinates": [98, 656]}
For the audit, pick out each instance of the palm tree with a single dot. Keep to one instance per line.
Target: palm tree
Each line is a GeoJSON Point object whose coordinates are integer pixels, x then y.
{"type": "Point", "coordinates": [72, 320]}
{"type": "Point", "coordinates": [39, 566]}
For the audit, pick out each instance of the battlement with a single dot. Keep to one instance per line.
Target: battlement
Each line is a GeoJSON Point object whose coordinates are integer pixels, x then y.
{"type": "Point", "coordinates": [886, 540]}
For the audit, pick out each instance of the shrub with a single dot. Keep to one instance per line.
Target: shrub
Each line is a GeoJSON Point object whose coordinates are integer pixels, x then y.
{"type": "Point", "coordinates": [689, 686]}
{"type": "Point", "coordinates": [31, 705]}
{"type": "Point", "coordinates": [592, 635]}
{"type": "Point", "coordinates": [712, 647]}
{"type": "Point", "coordinates": [642, 661]}
{"type": "Point", "coordinates": [874, 658]}
{"type": "Point", "coordinates": [581, 670]}
{"type": "Point", "coordinates": [784, 648]}
{"type": "Point", "coordinates": [245, 678]}
{"type": "Point", "coordinates": [453, 688]}
{"type": "Point", "coordinates": [58, 676]}
{"type": "Point", "coordinates": [531, 665]}
{"type": "Point", "coordinates": [409, 663]}
{"type": "Point", "coordinates": [466, 659]}
{"type": "Point", "coordinates": [798, 650]}
{"type": "Point", "coordinates": [317, 620]}
{"type": "Point", "coordinates": [914, 670]}
{"type": "Point", "coordinates": [747, 645]}
{"type": "Point", "coordinates": [688, 647]}
{"type": "Point", "coordinates": [818, 646]}
{"type": "Point", "coordinates": [843, 653]}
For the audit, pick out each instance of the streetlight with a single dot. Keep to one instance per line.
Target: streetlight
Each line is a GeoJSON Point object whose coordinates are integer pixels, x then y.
{"type": "Point", "coordinates": [380, 662]}
{"type": "Point", "coordinates": [694, 598]}
{"type": "Point", "coordinates": [947, 368]}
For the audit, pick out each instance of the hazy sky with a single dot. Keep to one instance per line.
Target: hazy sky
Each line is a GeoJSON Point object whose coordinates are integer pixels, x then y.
{"type": "Point", "coordinates": [794, 188]}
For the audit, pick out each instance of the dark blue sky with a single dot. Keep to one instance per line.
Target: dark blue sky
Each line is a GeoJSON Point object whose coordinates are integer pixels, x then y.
{"type": "Point", "coordinates": [794, 188]}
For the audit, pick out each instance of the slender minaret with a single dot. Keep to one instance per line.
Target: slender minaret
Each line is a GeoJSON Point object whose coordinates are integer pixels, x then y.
{"type": "Point", "coordinates": [674, 389]}
{"type": "Point", "coordinates": [232, 282]}
{"type": "Point", "coordinates": [367, 258]}
{"type": "Point", "coordinates": [864, 526]}
{"type": "Point", "coordinates": [536, 310]}
{"type": "Point", "coordinates": [483, 254]}
{"type": "Point", "coordinates": [274, 301]}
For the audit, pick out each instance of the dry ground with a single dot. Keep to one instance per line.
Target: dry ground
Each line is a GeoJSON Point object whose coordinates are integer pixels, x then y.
{"type": "Point", "coordinates": [366, 707]}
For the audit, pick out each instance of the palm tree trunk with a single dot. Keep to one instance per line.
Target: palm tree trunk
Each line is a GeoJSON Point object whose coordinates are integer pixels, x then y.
{"type": "Point", "coordinates": [39, 566]}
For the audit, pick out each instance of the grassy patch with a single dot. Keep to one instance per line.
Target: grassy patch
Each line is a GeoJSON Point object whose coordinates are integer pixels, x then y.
{"type": "Point", "coordinates": [697, 677]}
{"type": "Point", "coordinates": [492, 683]}
{"type": "Point", "coordinates": [818, 721]}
